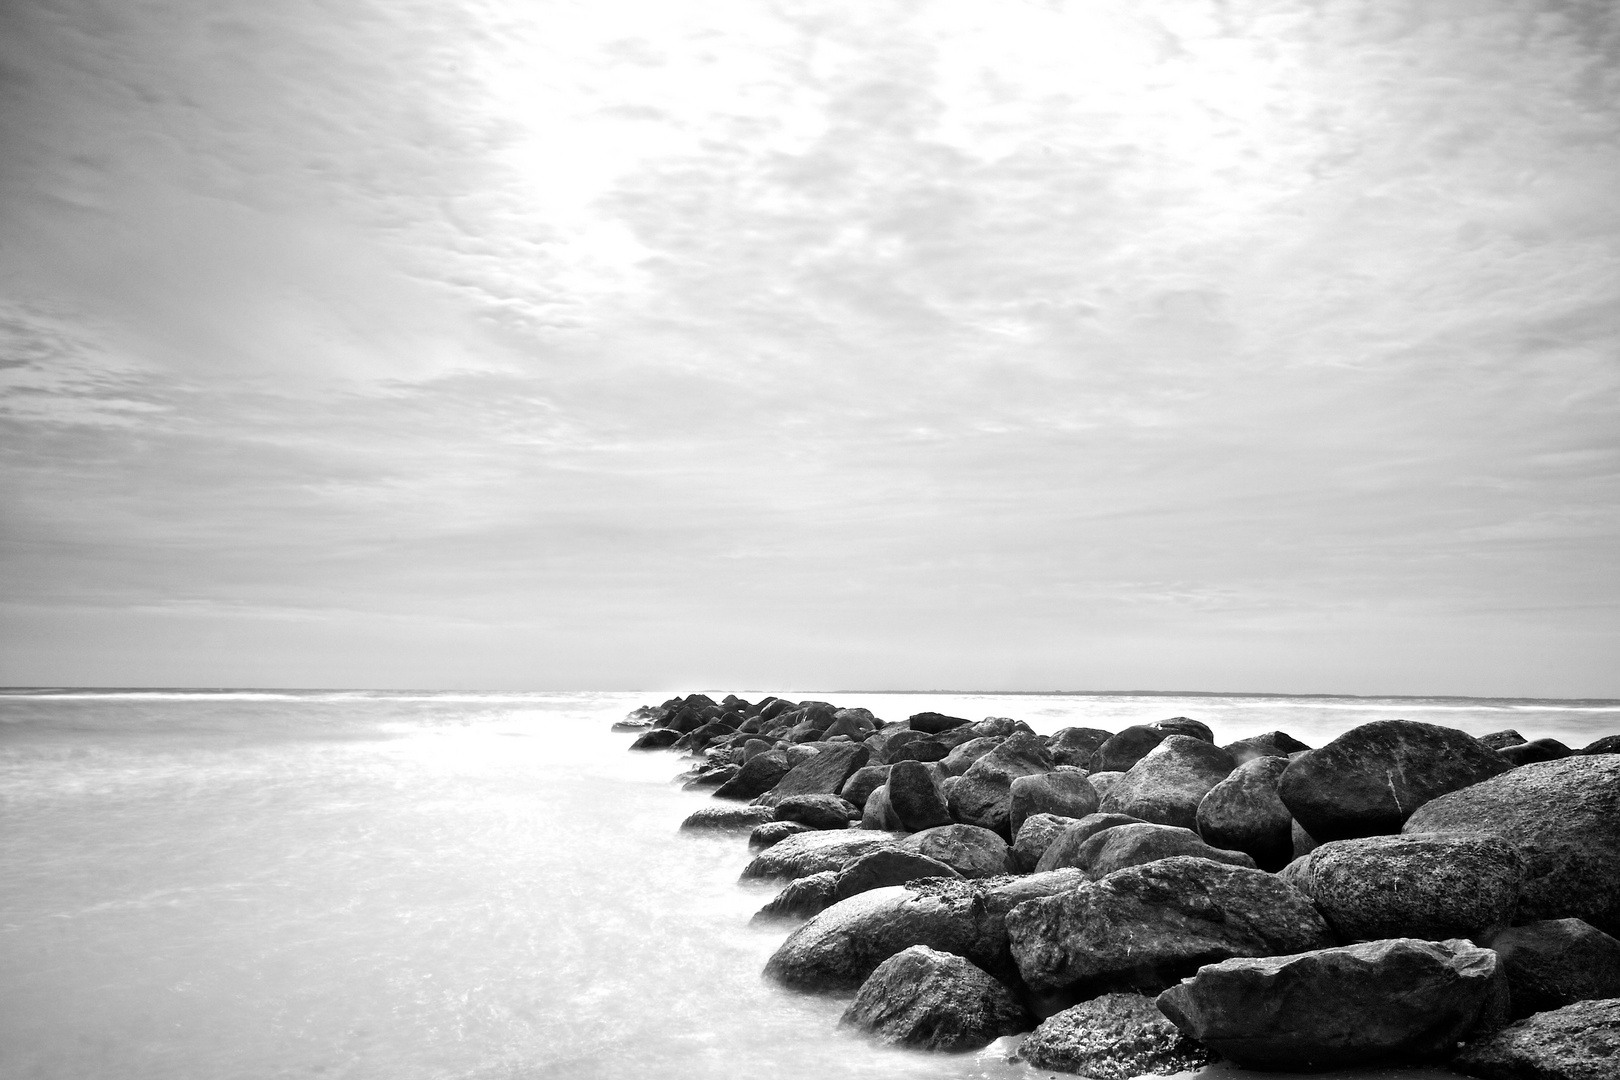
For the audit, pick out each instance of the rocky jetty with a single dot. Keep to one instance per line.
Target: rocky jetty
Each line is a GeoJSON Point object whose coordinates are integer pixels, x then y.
{"type": "Point", "coordinates": [1146, 901]}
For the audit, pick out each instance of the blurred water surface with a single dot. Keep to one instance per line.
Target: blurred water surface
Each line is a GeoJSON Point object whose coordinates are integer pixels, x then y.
{"type": "Point", "coordinates": [202, 885]}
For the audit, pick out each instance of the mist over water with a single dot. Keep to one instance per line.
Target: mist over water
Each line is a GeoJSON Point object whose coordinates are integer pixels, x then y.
{"type": "Point", "coordinates": [223, 884]}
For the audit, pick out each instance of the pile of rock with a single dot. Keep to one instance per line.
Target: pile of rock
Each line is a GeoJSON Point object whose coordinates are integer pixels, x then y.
{"type": "Point", "coordinates": [1146, 900]}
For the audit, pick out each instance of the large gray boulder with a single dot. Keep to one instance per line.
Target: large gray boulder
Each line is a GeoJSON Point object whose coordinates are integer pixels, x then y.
{"type": "Point", "coordinates": [1146, 926]}
{"type": "Point", "coordinates": [1169, 782]}
{"type": "Point", "coordinates": [1557, 962]}
{"type": "Point", "coordinates": [1369, 780]}
{"type": "Point", "coordinates": [823, 774]}
{"type": "Point", "coordinates": [862, 782]}
{"type": "Point", "coordinates": [1120, 751]}
{"type": "Point", "coordinates": [969, 850]}
{"type": "Point", "coordinates": [816, 811]}
{"type": "Point", "coordinates": [934, 723]}
{"type": "Point", "coordinates": [726, 818]}
{"type": "Point", "coordinates": [1064, 791]}
{"type": "Point", "coordinates": [962, 757]}
{"type": "Point", "coordinates": [1421, 885]}
{"type": "Point", "coordinates": [1397, 1000]}
{"type": "Point", "coordinates": [886, 867]}
{"type": "Point", "coordinates": [1076, 745]}
{"type": "Point", "coordinates": [1564, 817]}
{"type": "Point", "coordinates": [813, 852]}
{"type": "Point", "coordinates": [1035, 835]}
{"type": "Point", "coordinates": [982, 796]}
{"type": "Point", "coordinates": [1271, 744]}
{"type": "Point", "coordinates": [1112, 1037]}
{"type": "Point", "coordinates": [1065, 849]}
{"type": "Point", "coordinates": [930, 1000]}
{"type": "Point", "coordinates": [1576, 1042]}
{"type": "Point", "coordinates": [772, 833]}
{"type": "Point", "coordinates": [916, 797]}
{"type": "Point", "coordinates": [1243, 813]}
{"type": "Point", "coordinates": [758, 775]}
{"type": "Point", "coordinates": [1144, 842]}
{"type": "Point", "coordinates": [800, 898]}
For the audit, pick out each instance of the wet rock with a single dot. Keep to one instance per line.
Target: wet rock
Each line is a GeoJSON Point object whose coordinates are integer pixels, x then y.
{"type": "Point", "coordinates": [1112, 1037]}
{"type": "Point", "coordinates": [656, 739]}
{"type": "Point", "coordinates": [813, 852]}
{"type": "Point", "coordinates": [757, 776]}
{"type": "Point", "coordinates": [878, 814]}
{"type": "Point", "coordinates": [1064, 851]}
{"type": "Point", "coordinates": [1271, 744]}
{"type": "Point", "coordinates": [710, 776]}
{"type": "Point", "coordinates": [862, 782]}
{"type": "Point", "coordinates": [1137, 843]}
{"type": "Point", "coordinates": [1564, 817]}
{"type": "Point", "coordinates": [1186, 726]}
{"type": "Point", "coordinates": [1535, 750]}
{"type": "Point", "coordinates": [857, 724]}
{"type": "Point", "coordinates": [1034, 836]}
{"type": "Point", "coordinates": [1304, 842]}
{"type": "Point", "coordinates": [886, 867]}
{"type": "Point", "coordinates": [1000, 727]}
{"type": "Point", "coordinates": [823, 774]}
{"type": "Point", "coordinates": [962, 757]}
{"type": "Point", "coordinates": [931, 1000]}
{"type": "Point", "coordinates": [1419, 885]}
{"type": "Point", "coordinates": [1557, 962]}
{"type": "Point", "coordinates": [1103, 782]}
{"type": "Point", "coordinates": [1064, 791]}
{"type": "Point", "coordinates": [1146, 926]}
{"type": "Point", "coordinates": [1243, 813]}
{"type": "Point", "coordinates": [1497, 740]}
{"type": "Point", "coordinates": [1076, 745]}
{"type": "Point", "coordinates": [1609, 744]}
{"type": "Point", "coordinates": [752, 748]}
{"type": "Point", "coordinates": [969, 850]}
{"type": "Point", "coordinates": [933, 723]}
{"type": "Point", "coordinates": [772, 833]}
{"type": "Point", "coordinates": [1576, 1042]}
{"type": "Point", "coordinates": [817, 811]}
{"type": "Point", "coordinates": [800, 898]}
{"type": "Point", "coordinates": [1369, 780]}
{"type": "Point", "coordinates": [1119, 752]}
{"type": "Point", "coordinates": [726, 819]}
{"type": "Point", "coordinates": [982, 795]}
{"type": "Point", "coordinates": [925, 750]}
{"type": "Point", "coordinates": [1169, 782]}
{"type": "Point", "coordinates": [916, 797]}
{"type": "Point", "coordinates": [1397, 1000]}
{"type": "Point", "coordinates": [699, 738]}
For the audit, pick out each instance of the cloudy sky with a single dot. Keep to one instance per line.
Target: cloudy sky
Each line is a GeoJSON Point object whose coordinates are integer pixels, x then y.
{"type": "Point", "coordinates": [1082, 344]}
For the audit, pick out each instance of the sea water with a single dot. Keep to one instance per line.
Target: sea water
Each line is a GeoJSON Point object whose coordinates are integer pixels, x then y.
{"type": "Point", "coordinates": [204, 885]}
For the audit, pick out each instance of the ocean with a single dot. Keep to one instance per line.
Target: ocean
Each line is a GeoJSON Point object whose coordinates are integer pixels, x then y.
{"type": "Point", "coordinates": [217, 884]}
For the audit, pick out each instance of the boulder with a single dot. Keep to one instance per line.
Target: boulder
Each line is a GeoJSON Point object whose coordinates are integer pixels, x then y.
{"type": "Point", "coordinates": [1557, 962]}
{"type": "Point", "coordinates": [1243, 813]}
{"type": "Point", "coordinates": [1065, 792]}
{"type": "Point", "coordinates": [1576, 1042]}
{"type": "Point", "coordinates": [1496, 740]}
{"type": "Point", "coordinates": [800, 898]}
{"type": "Point", "coordinates": [916, 797]}
{"type": "Point", "coordinates": [752, 748]}
{"type": "Point", "coordinates": [1420, 885]}
{"type": "Point", "coordinates": [1169, 782]}
{"type": "Point", "coordinates": [1535, 750]}
{"type": "Point", "coordinates": [1034, 836]}
{"type": "Point", "coordinates": [1398, 1000]}
{"type": "Point", "coordinates": [772, 833]}
{"type": "Point", "coordinates": [1076, 745]}
{"type": "Point", "coordinates": [878, 814]}
{"type": "Point", "coordinates": [1119, 752]}
{"type": "Point", "coordinates": [1369, 780]}
{"type": "Point", "coordinates": [1271, 744]}
{"type": "Point", "coordinates": [982, 796]}
{"type": "Point", "coordinates": [999, 726]}
{"type": "Point", "coordinates": [1112, 1037]}
{"type": "Point", "coordinates": [962, 756]}
{"type": "Point", "coordinates": [919, 750]}
{"type": "Point", "coordinates": [1609, 744]}
{"type": "Point", "coordinates": [889, 744]}
{"type": "Point", "coordinates": [656, 739]}
{"type": "Point", "coordinates": [933, 723]}
{"type": "Point", "coordinates": [1136, 843]}
{"type": "Point", "coordinates": [1064, 850]}
{"type": "Point", "coordinates": [969, 850]}
{"type": "Point", "coordinates": [1103, 782]}
{"type": "Point", "coordinates": [1187, 726]}
{"type": "Point", "coordinates": [857, 724]}
{"type": "Point", "coordinates": [885, 867]}
{"type": "Point", "coordinates": [1564, 817]}
{"type": "Point", "coordinates": [757, 776]}
{"type": "Point", "coordinates": [862, 782]}
{"type": "Point", "coordinates": [699, 738]}
{"type": "Point", "coordinates": [816, 811]}
{"type": "Point", "coordinates": [823, 774]}
{"type": "Point", "coordinates": [930, 1000]}
{"type": "Point", "coordinates": [1146, 926]}
{"type": "Point", "coordinates": [813, 852]}
{"type": "Point", "coordinates": [726, 818]}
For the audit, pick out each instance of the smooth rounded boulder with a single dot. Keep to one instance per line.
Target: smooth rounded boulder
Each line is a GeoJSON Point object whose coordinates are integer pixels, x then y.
{"type": "Point", "coordinates": [926, 999]}
{"type": "Point", "coordinates": [800, 898]}
{"type": "Point", "coordinates": [1076, 745]}
{"type": "Point", "coordinates": [1243, 813]}
{"type": "Point", "coordinates": [1419, 885]}
{"type": "Point", "coordinates": [1271, 744]}
{"type": "Point", "coordinates": [758, 775]}
{"type": "Point", "coordinates": [1112, 1037]}
{"type": "Point", "coordinates": [1372, 778]}
{"type": "Point", "coordinates": [1576, 1042]}
{"type": "Point", "coordinates": [1137, 843]}
{"type": "Point", "coordinates": [1535, 750]}
{"type": "Point", "coordinates": [982, 796]}
{"type": "Point", "coordinates": [1064, 791]}
{"type": "Point", "coordinates": [862, 782]}
{"type": "Point", "coordinates": [916, 797]}
{"type": "Point", "coordinates": [1169, 782]}
{"type": "Point", "coordinates": [813, 852]}
{"type": "Point", "coordinates": [1564, 817]}
{"type": "Point", "coordinates": [969, 850]}
{"type": "Point", "coordinates": [816, 811]}
{"type": "Point", "coordinates": [1125, 748]}
{"type": "Point", "coordinates": [1556, 962]}
{"type": "Point", "coordinates": [1397, 1000]}
{"type": "Point", "coordinates": [1063, 851]}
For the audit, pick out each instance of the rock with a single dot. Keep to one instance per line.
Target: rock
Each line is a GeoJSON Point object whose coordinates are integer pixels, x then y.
{"type": "Point", "coordinates": [1496, 740]}
{"type": "Point", "coordinates": [758, 775]}
{"type": "Point", "coordinates": [1034, 836]}
{"type": "Point", "coordinates": [962, 756]}
{"type": "Point", "coordinates": [857, 724]}
{"type": "Point", "coordinates": [1112, 1037]}
{"type": "Point", "coordinates": [1243, 813]}
{"type": "Point", "coordinates": [998, 726]}
{"type": "Point", "coordinates": [1424, 885]}
{"type": "Point", "coordinates": [981, 796]}
{"type": "Point", "coordinates": [1146, 926]}
{"type": "Point", "coordinates": [1169, 782]}
{"type": "Point", "coordinates": [878, 814]}
{"type": "Point", "coordinates": [823, 774]}
{"type": "Point", "coordinates": [1271, 744]}
{"type": "Point", "coordinates": [933, 723]}
{"type": "Point", "coordinates": [885, 867]}
{"type": "Point", "coordinates": [699, 738]}
{"type": "Point", "coordinates": [1369, 780]}
{"type": "Point", "coordinates": [1119, 752]}
{"type": "Point", "coordinates": [1576, 1042]}
{"type": "Point", "coordinates": [813, 852]}
{"type": "Point", "coordinates": [711, 776]}
{"type": "Point", "coordinates": [1065, 792]}
{"type": "Point", "coordinates": [800, 898]}
{"type": "Point", "coordinates": [1535, 750]}
{"type": "Point", "coordinates": [656, 739]}
{"type": "Point", "coordinates": [772, 833]}
{"type": "Point", "coordinates": [924, 750]}
{"type": "Point", "coordinates": [1564, 817]}
{"type": "Point", "coordinates": [862, 782]}
{"type": "Point", "coordinates": [1187, 726]}
{"type": "Point", "coordinates": [1609, 744]}
{"type": "Point", "coordinates": [1557, 962]}
{"type": "Point", "coordinates": [726, 818]}
{"type": "Point", "coordinates": [816, 811]}
{"type": "Point", "coordinates": [916, 797]}
{"type": "Point", "coordinates": [1103, 782]}
{"type": "Point", "coordinates": [1304, 842]}
{"type": "Point", "coordinates": [931, 1000]}
{"type": "Point", "coordinates": [1076, 745]}
{"type": "Point", "coordinates": [969, 850]}
{"type": "Point", "coordinates": [1398, 1000]}
{"type": "Point", "coordinates": [1143, 842]}
{"type": "Point", "coordinates": [752, 748]}
{"type": "Point", "coordinates": [1064, 850]}
{"type": "Point", "coordinates": [877, 743]}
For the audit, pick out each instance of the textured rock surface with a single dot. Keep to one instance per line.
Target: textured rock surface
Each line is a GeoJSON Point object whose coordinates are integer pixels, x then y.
{"type": "Point", "coordinates": [971, 851]}
{"type": "Point", "coordinates": [801, 898]}
{"type": "Point", "coordinates": [932, 1000]}
{"type": "Point", "coordinates": [816, 811]}
{"type": "Point", "coordinates": [862, 782]}
{"type": "Point", "coordinates": [1577, 1042]}
{"type": "Point", "coordinates": [934, 723]}
{"type": "Point", "coordinates": [1169, 782]}
{"type": "Point", "coordinates": [1113, 1037]}
{"type": "Point", "coordinates": [726, 818]}
{"type": "Point", "coordinates": [884, 868]}
{"type": "Point", "coordinates": [1143, 842]}
{"type": "Point", "coordinates": [813, 852]}
{"type": "Point", "coordinates": [1243, 813]}
{"type": "Point", "coordinates": [1564, 817]}
{"type": "Point", "coordinates": [1075, 745]}
{"type": "Point", "coordinates": [1064, 791]}
{"type": "Point", "coordinates": [1122, 750]}
{"type": "Point", "coordinates": [1535, 750]}
{"type": "Point", "coordinates": [1557, 962]}
{"type": "Point", "coordinates": [916, 797]}
{"type": "Point", "coordinates": [981, 796]}
{"type": "Point", "coordinates": [1369, 780]}
{"type": "Point", "coordinates": [1420, 885]}
{"type": "Point", "coordinates": [823, 774]}
{"type": "Point", "coordinates": [758, 775]}
{"type": "Point", "coordinates": [1147, 926]}
{"type": "Point", "coordinates": [1035, 835]}
{"type": "Point", "coordinates": [1271, 744]}
{"type": "Point", "coordinates": [772, 833]}
{"type": "Point", "coordinates": [1065, 850]}
{"type": "Point", "coordinates": [962, 757]}
{"type": "Point", "coordinates": [1394, 1000]}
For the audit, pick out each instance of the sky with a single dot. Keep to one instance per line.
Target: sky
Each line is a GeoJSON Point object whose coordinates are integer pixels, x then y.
{"type": "Point", "coordinates": [1264, 345]}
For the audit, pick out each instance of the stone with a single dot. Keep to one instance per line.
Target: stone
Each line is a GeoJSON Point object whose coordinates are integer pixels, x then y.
{"type": "Point", "coordinates": [1576, 1042]}
{"type": "Point", "coordinates": [1064, 791]}
{"type": "Point", "coordinates": [1169, 782]}
{"type": "Point", "coordinates": [1369, 780]}
{"type": "Point", "coordinates": [919, 750]}
{"type": "Point", "coordinates": [878, 815]}
{"type": "Point", "coordinates": [710, 776]}
{"type": "Point", "coordinates": [772, 833]}
{"type": "Point", "coordinates": [1187, 726]}
{"type": "Point", "coordinates": [1137, 843]}
{"type": "Point", "coordinates": [1496, 740]}
{"type": "Point", "coordinates": [823, 774]}
{"type": "Point", "coordinates": [862, 782]}
{"type": "Point", "coordinates": [816, 811]}
{"type": "Point", "coordinates": [1609, 744]}
{"type": "Point", "coordinates": [800, 898]}
{"type": "Point", "coordinates": [998, 726]}
{"type": "Point", "coordinates": [885, 867]}
{"type": "Point", "coordinates": [1119, 752]}
{"type": "Point", "coordinates": [1557, 962]}
{"type": "Point", "coordinates": [916, 797]}
{"type": "Point", "coordinates": [1271, 744]}
{"type": "Point", "coordinates": [1112, 1037]}
{"type": "Point", "coordinates": [1103, 782]}
{"type": "Point", "coordinates": [1146, 926]}
{"type": "Point", "coordinates": [969, 850]}
{"type": "Point", "coordinates": [1418, 885]}
{"type": "Point", "coordinates": [1535, 750]}
{"type": "Point", "coordinates": [962, 756]}
{"type": "Point", "coordinates": [752, 748]}
{"type": "Point", "coordinates": [1243, 813]}
{"type": "Point", "coordinates": [656, 739]}
{"type": "Point", "coordinates": [1564, 817]}
{"type": "Point", "coordinates": [982, 796]}
{"type": "Point", "coordinates": [726, 818]}
{"type": "Point", "coordinates": [930, 1000]}
{"type": "Point", "coordinates": [1034, 836]}
{"type": "Point", "coordinates": [1076, 745]}
{"type": "Point", "coordinates": [758, 775]}
{"type": "Point", "coordinates": [933, 723]}
{"type": "Point", "coordinates": [857, 724]}
{"type": "Point", "coordinates": [1400, 1000]}
{"type": "Point", "coordinates": [1064, 850]}
{"type": "Point", "coordinates": [812, 852]}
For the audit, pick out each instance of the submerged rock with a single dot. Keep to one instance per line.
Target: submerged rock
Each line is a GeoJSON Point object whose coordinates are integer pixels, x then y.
{"type": "Point", "coordinates": [1576, 1042]}
{"type": "Point", "coordinates": [932, 1000]}
{"type": "Point", "coordinates": [1112, 1037]}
